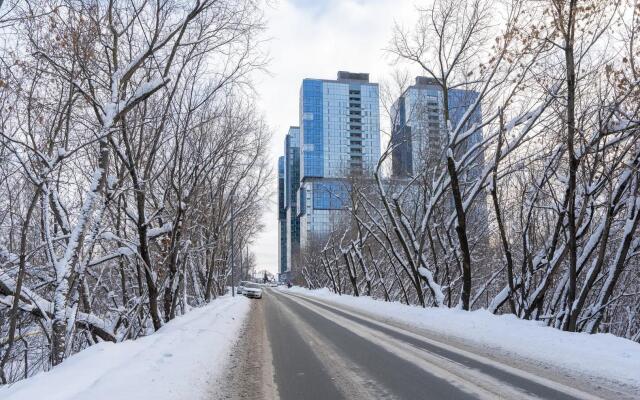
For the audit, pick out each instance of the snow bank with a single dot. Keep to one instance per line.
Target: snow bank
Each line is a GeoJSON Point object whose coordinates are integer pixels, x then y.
{"type": "Point", "coordinates": [601, 356]}
{"type": "Point", "coordinates": [180, 361]}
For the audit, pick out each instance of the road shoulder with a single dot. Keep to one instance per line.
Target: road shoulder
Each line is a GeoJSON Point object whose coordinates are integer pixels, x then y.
{"type": "Point", "coordinates": [250, 367]}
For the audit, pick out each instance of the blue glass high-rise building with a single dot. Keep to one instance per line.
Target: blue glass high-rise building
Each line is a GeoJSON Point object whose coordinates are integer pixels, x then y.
{"type": "Point", "coordinates": [292, 184]}
{"type": "Point", "coordinates": [420, 138]}
{"type": "Point", "coordinates": [339, 137]}
{"type": "Point", "coordinates": [282, 217]}
{"type": "Point", "coordinates": [419, 130]}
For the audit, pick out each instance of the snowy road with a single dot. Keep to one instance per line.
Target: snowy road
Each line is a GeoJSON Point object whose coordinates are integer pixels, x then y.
{"type": "Point", "coordinates": [318, 350]}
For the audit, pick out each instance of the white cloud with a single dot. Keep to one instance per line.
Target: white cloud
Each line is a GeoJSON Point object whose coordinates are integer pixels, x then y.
{"type": "Point", "coordinates": [315, 41]}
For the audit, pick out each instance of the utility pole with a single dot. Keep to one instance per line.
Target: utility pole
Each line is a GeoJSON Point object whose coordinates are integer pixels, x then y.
{"type": "Point", "coordinates": [233, 294]}
{"type": "Point", "coordinates": [241, 277]}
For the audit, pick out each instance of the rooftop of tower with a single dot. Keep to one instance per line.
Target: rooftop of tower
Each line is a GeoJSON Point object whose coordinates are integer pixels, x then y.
{"type": "Point", "coordinates": [353, 76]}
{"type": "Point", "coordinates": [360, 78]}
{"type": "Point", "coordinates": [425, 80]}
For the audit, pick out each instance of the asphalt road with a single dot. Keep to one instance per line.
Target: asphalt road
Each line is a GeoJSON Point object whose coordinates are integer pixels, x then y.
{"type": "Point", "coordinates": [313, 349]}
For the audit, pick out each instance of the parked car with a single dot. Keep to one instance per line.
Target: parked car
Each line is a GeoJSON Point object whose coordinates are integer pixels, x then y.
{"type": "Point", "coordinates": [241, 286]}
{"type": "Point", "coordinates": [253, 290]}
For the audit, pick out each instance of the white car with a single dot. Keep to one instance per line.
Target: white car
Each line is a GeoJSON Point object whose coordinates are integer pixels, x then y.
{"type": "Point", "coordinates": [252, 290]}
{"type": "Point", "coordinates": [241, 286]}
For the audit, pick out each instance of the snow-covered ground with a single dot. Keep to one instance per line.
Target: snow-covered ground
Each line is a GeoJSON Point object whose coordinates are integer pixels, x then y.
{"type": "Point", "coordinates": [598, 356]}
{"type": "Point", "coordinates": [180, 361]}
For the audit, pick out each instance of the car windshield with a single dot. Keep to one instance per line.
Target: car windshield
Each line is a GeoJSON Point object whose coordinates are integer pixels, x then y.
{"type": "Point", "coordinates": [253, 286]}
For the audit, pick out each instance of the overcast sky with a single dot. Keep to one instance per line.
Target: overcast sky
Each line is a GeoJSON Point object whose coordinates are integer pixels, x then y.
{"type": "Point", "coordinates": [315, 39]}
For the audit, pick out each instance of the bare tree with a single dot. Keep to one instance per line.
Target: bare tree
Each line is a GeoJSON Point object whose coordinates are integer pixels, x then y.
{"type": "Point", "coordinates": [129, 125]}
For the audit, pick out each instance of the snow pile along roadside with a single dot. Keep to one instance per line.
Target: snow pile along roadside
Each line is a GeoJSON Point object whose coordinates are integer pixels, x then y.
{"type": "Point", "coordinates": [603, 356]}
{"type": "Point", "coordinates": [180, 361]}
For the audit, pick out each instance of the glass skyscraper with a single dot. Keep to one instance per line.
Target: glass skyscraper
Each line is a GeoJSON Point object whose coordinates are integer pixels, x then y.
{"type": "Point", "coordinates": [292, 184]}
{"type": "Point", "coordinates": [282, 218]}
{"type": "Point", "coordinates": [338, 137]}
{"type": "Point", "coordinates": [419, 129]}
{"type": "Point", "coordinates": [420, 137]}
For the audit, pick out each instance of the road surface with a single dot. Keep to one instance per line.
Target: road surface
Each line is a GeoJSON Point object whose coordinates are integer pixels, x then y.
{"type": "Point", "coordinates": [294, 347]}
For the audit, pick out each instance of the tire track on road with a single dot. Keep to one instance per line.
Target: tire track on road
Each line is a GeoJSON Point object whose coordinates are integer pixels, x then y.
{"type": "Point", "coordinates": [502, 381]}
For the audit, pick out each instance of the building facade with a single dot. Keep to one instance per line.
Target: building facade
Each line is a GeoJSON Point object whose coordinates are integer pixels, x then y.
{"type": "Point", "coordinates": [420, 133]}
{"type": "Point", "coordinates": [292, 184]}
{"type": "Point", "coordinates": [282, 220]}
{"type": "Point", "coordinates": [420, 137]}
{"type": "Point", "coordinates": [339, 137]}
